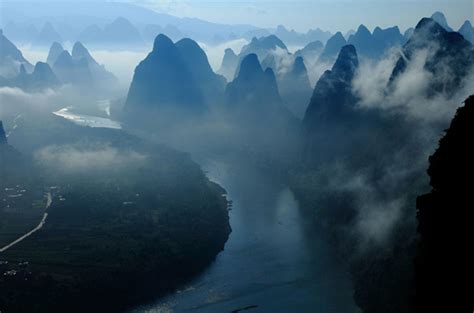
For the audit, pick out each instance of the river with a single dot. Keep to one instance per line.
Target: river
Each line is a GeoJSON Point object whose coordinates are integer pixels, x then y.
{"type": "Point", "coordinates": [274, 260]}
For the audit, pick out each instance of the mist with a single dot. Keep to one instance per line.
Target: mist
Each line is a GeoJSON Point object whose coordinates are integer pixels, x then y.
{"type": "Point", "coordinates": [131, 163]}
{"type": "Point", "coordinates": [79, 159]}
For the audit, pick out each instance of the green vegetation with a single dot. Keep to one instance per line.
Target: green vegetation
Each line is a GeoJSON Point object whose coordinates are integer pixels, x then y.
{"type": "Point", "coordinates": [128, 220]}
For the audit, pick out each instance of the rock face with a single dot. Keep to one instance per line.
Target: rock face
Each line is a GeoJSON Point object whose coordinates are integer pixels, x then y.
{"type": "Point", "coordinates": [72, 71]}
{"type": "Point", "coordinates": [101, 77]}
{"type": "Point", "coordinates": [3, 136]}
{"type": "Point", "coordinates": [450, 58]}
{"type": "Point", "coordinates": [444, 265]}
{"type": "Point", "coordinates": [9, 157]}
{"type": "Point", "coordinates": [253, 96]}
{"type": "Point", "coordinates": [164, 80]}
{"type": "Point", "coordinates": [11, 58]}
{"type": "Point", "coordinates": [362, 40]}
{"type": "Point", "coordinates": [467, 31]}
{"type": "Point", "coordinates": [295, 88]}
{"type": "Point", "coordinates": [331, 109]}
{"type": "Point", "coordinates": [209, 84]}
{"type": "Point", "coordinates": [387, 38]}
{"type": "Point", "coordinates": [229, 64]}
{"type": "Point", "coordinates": [332, 48]}
{"type": "Point", "coordinates": [54, 52]}
{"type": "Point", "coordinates": [80, 52]}
{"type": "Point", "coordinates": [253, 91]}
{"type": "Point", "coordinates": [261, 122]}
{"type": "Point", "coordinates": [43, 77]}
{"type": "Point", "coordinates": [332, 94]}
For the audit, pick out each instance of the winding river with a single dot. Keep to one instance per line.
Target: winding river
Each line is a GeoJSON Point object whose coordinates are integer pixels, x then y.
{"type": "Point", "coordinates": [273, 261]}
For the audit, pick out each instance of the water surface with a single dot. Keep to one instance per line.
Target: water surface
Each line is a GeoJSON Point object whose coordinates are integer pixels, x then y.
{"type": "Point", "coordinates": [272, 261]}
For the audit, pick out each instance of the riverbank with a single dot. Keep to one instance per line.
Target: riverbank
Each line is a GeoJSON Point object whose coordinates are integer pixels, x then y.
{"type": "Point", "coordinates": [274, 260]}
{"type": "Point", "coordinates": [119, 232]}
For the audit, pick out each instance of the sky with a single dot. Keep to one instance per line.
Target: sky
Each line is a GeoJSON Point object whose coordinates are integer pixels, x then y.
{"type": "Point", "coordinates": [301, 15]}
{"type": "Point", "coordinates": [333, 15]}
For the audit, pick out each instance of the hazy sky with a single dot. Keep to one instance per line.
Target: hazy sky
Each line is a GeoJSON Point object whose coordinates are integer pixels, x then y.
{"type": "Point", "coordinates": [302, 15]}
{"type": "Point", "coordinates": [326, 14]}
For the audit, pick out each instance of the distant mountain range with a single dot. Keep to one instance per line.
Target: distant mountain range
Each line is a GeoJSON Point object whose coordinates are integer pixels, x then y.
{"type": "Point", "coordinates": [377, 44]}
{"type": "Point", "coordinates": [121, 33]}
{"type": "Point", "coordinates": [124, 26]}
{"type": "Point", "coordinates": [175, 84]}
{"type": "Point", "coordinates": [294, 38]}
{"type": "Point", "coordinates": [333, 103]}
{"type": "Point", "coordinates": [178, 75]}
{"type": "Point", "coordinates": [89, 22]}
{"type": "Point", "coordinates": [79, 69]}
{"type": "Point", "coordinates": [41, 78]}
{"type": "Point", "coordinates": [16, 71]}
{"type": "Point", "coordinates": [89, 19]}
{"type": "Point", "coordinates": [46, 36]}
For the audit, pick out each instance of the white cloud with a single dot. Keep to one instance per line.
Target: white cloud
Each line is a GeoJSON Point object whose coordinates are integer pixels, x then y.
{"type": "Point", "coordinates": [88, 159]}
{"type": "Point", "coordinates": [215, 53]}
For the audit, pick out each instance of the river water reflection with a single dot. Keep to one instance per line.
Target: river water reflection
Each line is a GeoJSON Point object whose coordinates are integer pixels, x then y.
{"type": "Point", "coordinates": [272, 262]}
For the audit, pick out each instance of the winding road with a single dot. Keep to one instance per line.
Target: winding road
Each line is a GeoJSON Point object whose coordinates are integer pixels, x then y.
{"type": "Point", "coordinates": [34, 230]}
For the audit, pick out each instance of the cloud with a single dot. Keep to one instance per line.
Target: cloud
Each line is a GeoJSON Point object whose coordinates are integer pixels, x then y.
{"type": "Point", "coordinates": [74, 159]}
{"type": "Point", "coordinates": [121, 63]}
{"type": "Point", "coordinates": [386, 198]}
{"type": "Point", "coordinates": [215, 53]}
{"type": "Point", "coordinates": [15, 100]}
{"type": "Point", "coordinates": [377, 201]}
{"type": "Point", "coordinates": [408, 93]}
{"type": "Point", "coordinates": [372, 78]}
{"type": "Point", "coordinates": [376, 220]}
